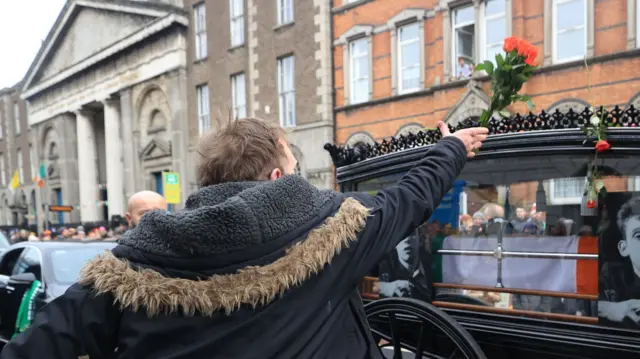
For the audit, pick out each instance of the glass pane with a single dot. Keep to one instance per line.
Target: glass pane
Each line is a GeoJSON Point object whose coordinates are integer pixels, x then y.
{"type": "Point", "coordinates": [570, 14]}
{"type": "Point", "coordinates": [408, 32]}
{"type": "Point", "coordinates": [359, 47]}
{"type": "Point", "coordinates": [465, 39]}
{"type": "Point", "coordinates": [67, 264]}
{"type": "Point", "coordinates": [464, 15]}
{"type": "Point", "coordinates": [582, 262]}
{"type": "Point", "coordinates": [571, 44]}
{"type": "Point", "coordinates": [410, 54]}
{"type": "Point", "coordinates": [494, 7]}
{"type": "Point", "coordinates": [411, 78]}
{"type": "Point", "coordinates": [360, 91]}
{"type": "Point", "coordinates": [492, 51]}
{"type": "Point", "coordinates": [496, 30]}
{"type": "Point", "coordinates": [361, 68]}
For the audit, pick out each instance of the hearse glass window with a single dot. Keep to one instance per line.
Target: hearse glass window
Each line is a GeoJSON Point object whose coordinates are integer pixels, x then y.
{"type": "Point", "coordinates": [519, 236]}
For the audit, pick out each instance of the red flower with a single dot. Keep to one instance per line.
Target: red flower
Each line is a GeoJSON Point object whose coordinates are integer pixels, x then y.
{"type": "Point", "coordinates": [510, 44]}
{"type": "Point", "coordinates": [602, 146]}
{"type": "Point", "coordinates": [523, 47]}
{"type": "Point", "coordinates": [591, 203]}
{"type": "Point", "coordinates": [531, 56]}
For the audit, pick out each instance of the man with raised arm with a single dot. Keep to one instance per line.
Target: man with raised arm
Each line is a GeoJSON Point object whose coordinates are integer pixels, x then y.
{"type": "Point", "coordinates": [260, 264]}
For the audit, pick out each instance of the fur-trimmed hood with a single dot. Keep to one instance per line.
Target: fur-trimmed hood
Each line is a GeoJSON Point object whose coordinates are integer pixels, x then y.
{"type": "Point", "coordinates": [234, 244]}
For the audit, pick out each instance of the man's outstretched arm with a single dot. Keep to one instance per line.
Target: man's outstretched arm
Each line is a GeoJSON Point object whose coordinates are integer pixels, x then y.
{"type": "Point", "coordinates": [399, 209]}
{"type": "Point", "coordinates": [74, 324]}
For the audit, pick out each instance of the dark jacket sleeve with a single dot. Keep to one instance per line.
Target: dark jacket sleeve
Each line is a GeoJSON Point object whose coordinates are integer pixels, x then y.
{"type": "Point", "coordinates": [401, 208]}
{"type": "Point", "coordinates": [75, 324]}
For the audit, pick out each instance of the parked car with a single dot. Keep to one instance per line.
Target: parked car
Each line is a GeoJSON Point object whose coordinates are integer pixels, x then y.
{"type": "Point", "coordinates": [55, 264]}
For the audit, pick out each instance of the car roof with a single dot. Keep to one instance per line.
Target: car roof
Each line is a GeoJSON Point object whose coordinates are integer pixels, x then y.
{"type": "Point", "coordinates": [48, 245]}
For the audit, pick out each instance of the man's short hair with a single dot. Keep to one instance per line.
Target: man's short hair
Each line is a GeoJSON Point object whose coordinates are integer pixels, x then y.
{"type": "Point", "coordinates": [630, 209]}
{"type": "Point", "coordinates": [247, 149]}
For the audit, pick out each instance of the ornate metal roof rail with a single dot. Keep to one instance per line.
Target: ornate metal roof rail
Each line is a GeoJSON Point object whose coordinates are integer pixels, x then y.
{"type": "Point", "coordinates": [615, 117]}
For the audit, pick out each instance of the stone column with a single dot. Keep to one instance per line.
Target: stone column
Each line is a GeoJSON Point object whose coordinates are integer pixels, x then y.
{"type": "Point", "coordinates": [114, 154]}
{"type": "Point", "coordinates": [87, 167]}
{"type": "Point", "coordinates": [129, 154]}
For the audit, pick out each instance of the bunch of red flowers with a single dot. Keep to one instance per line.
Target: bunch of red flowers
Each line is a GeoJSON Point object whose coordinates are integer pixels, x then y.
{"type": "Point", "coordinates": [523, 48]}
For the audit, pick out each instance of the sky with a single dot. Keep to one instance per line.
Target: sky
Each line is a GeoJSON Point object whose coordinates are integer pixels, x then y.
{"type": "Point", "coordinates": [24, 24]}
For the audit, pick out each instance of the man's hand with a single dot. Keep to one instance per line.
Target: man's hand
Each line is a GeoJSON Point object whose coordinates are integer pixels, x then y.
{"type": "Point", "coordinates": [396, 288]}
{"type": "Point", "coordinates": [616, 312]}
{"type": "Point", "coordinates": [471, 137]}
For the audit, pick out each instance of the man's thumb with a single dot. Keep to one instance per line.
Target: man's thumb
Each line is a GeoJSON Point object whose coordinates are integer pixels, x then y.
{"type": "Point", "coordinates": [444, 129]}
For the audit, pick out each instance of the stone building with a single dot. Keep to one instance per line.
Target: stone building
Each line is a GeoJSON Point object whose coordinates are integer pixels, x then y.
{"type": "Point", "coordinates": [268, 59]}
{"type": "Point", "coordinates": [17, 152]}
{"type": "Point", "coordinates": [400, 66]}
{"type": "Point", "coordinates": [106, 107]}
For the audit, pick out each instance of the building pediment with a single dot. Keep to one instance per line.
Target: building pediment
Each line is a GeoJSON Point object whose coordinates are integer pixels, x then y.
{"type": "Point", "coordinates": [156, 148]}
{"type": "Point", "coordinates": [470, 104]}
{"type": "Point", "coordinates": [87, 28]}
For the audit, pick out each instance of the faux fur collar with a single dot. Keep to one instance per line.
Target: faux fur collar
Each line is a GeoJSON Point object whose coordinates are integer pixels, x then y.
{"type": "Point", "coordinates": [148, 290]}
{"type": "Point", "coordinates": [230, 217]}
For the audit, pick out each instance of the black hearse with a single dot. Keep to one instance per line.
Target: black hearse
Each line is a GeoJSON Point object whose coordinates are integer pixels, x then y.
{"type": "Point", "coordinates": [518, 261]}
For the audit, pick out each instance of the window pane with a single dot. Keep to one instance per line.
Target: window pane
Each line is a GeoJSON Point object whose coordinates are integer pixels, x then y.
{"type": "Point", "coordinates": [411, 78]}
{"type": "Point", "coordinates": [492, 51]}
{"type": "Point", "coordinates": [571, 44]}
{"type": "Point", "coordinates": [465, 39]}
{"type": "Point", "coordinates": [359, 47]}
{"type": "Point", "coordinates": [408, 32]}
{"type": "Point", "coordinates": [361, 67]}
{"type": "Point", "coordinates": [570, 14]}
{"type": "Point", "coordinates": [410, 54]}
{"type": "Point", "coordinates": [494, 7]}
{"type": "Point", "coordinates": [464, 15]}
{"type": "Point", "coordinates": [496, 30]}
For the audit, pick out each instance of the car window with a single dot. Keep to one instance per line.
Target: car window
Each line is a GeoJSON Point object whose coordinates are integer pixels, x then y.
{"type": "Point", "coordinates": [4, 242]}
{"type": "Point", "coordinates": [9, 261]}
{"type": "Point", "coordinates": [29, 262]}
{"type": "Point", "coordinates": [68, 262]}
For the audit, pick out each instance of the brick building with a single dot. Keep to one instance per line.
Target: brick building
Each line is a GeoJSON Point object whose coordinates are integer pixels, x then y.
{"type": "Point", "coordinates": [17, 153]}
{"type": "Point", "coordinates": [274, 63]}
{"type": "Point", "coordinates": [403, 57]}
{"type": "Point", "coordinates": [402, 65]}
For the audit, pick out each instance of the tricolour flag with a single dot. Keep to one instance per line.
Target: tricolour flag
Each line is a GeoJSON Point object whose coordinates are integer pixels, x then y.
{"type": "Point", "coordinates": [40, 176]}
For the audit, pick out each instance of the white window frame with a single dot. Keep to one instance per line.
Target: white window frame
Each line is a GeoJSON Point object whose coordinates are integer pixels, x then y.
{"type": "Point", "coordinates": [236, 23]}
{"type": "Point", "coordinates": [454, 38]}
{"type": "Point", "coordinates": [484, 18]}
{"type": "Point", "coordinates": [554, 31]}
{"type": "Point", "coordinates": [3, 175]}
{"type": "Point", "coordinates": [352, 79]}
{"type": "Point", "coordinates": [565, 200]}
{"type": "Point", "coordinates": [285, 12]}
{"type": "Point", "coordinates": [200, 31]}
{"type": "Point", "coordinates": [287, 96]}
{"type": "Point", "coordinates": [418, 64]}
{"type": "Point", "coordinates": [239, 95]}
{"type": "Point", "coordinates": [637, 23]}
{"type": "Point", "coordinates": [20, 161]}
{"type": "Point", "coordinates": [16, 117]}
{"type": "Point", "coordinates": [203, 108]}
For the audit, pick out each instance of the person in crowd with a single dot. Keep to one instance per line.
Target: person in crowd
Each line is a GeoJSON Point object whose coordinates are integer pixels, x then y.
{"type": "Point", "coordinates": [466, 222]}
{"type": "Point", "coordinates": [619, 299]}
{"type": "Point", "coordinates": [141, 203]}
{"type": "Point", "coordinates": [463, 70]}
{"type": "Point", "coordinates": [520, 219]}
{"type": "Point", "coordinates": [478, 226]}
{"type": "Point", "coordinates": [33, 237]}
{"type": "Point", "coordinates": [494, 215]}
{"type": "Point", "coordinates": [260, 262]}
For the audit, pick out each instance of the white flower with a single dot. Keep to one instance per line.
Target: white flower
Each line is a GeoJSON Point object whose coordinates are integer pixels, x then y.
{"type": "Point", "coordinates": [595, 120]}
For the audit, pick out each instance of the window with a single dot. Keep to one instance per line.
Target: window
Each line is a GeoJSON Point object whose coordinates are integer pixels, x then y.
{"type": "Point", "coordinates": [20, 167]}
{"type": "Point", "coordinates": [517, 245]}
{"type": "Point", "coordinates": [66, 264]}
{"type": "Point", "coordinates": [33, 161]}
{"type": "Point", "coordinates": [285, 11]}
{"type": "Point", "coordinates": [238, 96]}
{"type": "Point", "coordinates": [569, 30]}
{"type": "Point", "coordinates": [287, 91]}
{"type": "Point", "coordinates": [359, 70]}
{"type": "Point", "coordinates": [3, 175]}
{"type": "Point", "coordinates": [566, 190]}
{"type": "Point", "coordinates": [236, 12]}
{"type": "Point", "coordinates": [29, 262]}
{"type": "Point", "coordinates": [202, 95]}
{"type": "Point", "coordinates": [409, 57]}
{"type": "Point", "coordinates": [200, 30]}
{"type": "Point", "coordinates": [16, 114]}
{"type": "Point", "coordinates": [494, 30]}
{"type": "Point", "coordinates": [464, 33]}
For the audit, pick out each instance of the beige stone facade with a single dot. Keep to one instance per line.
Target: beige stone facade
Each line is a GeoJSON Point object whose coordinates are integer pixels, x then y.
{"type": "Point", "coordinates": [107, 107]}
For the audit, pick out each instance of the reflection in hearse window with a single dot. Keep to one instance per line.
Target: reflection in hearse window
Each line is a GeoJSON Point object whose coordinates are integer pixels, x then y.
{"type": "Point", "coordinates": [515, 235]}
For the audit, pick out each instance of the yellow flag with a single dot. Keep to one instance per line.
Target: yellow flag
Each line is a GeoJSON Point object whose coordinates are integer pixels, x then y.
{"type": "Point", "coordinates": [15, 180]}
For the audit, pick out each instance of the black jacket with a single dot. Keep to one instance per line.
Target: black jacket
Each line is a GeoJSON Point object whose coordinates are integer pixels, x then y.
{"type": "Point", "coordinates": [247, 270]}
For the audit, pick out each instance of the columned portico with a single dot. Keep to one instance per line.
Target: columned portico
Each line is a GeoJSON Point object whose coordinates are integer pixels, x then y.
{"type": "Point", "coordinates": [114, 152]}
{"type": "Point", "coordinates": [87, 166]}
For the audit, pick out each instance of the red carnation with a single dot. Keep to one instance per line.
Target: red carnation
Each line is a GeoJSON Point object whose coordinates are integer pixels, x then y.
{"type": "Point", "coordinates": [591, 203]}
{"type": "Point", "coordinates": [602, 146]}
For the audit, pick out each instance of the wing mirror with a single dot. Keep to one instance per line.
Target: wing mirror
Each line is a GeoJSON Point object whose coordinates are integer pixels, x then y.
{"type": "Point", "coordinates": [23, 278]}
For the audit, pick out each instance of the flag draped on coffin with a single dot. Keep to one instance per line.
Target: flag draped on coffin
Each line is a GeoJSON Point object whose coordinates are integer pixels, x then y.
{"type": "Point", "coordinates": [545, 274]}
